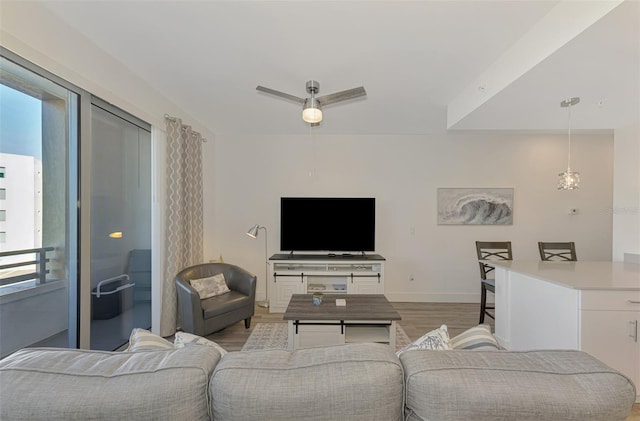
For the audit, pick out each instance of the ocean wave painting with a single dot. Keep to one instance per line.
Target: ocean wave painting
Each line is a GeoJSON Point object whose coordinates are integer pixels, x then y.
{"type": "Point", "coordinates": [475, 206]}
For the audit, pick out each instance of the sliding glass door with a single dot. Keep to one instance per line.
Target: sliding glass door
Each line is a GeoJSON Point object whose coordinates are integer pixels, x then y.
{"type": "Point", "coordinates": [75, 214]}
{"type": "Point", "coordinates": [120, 226]}
{"type": "Point", "coordinates": [38, 210]}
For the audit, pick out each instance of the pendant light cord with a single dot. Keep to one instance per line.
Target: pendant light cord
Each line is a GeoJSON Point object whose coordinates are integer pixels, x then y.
{"type": "Point", "coordinates": [569, 152]}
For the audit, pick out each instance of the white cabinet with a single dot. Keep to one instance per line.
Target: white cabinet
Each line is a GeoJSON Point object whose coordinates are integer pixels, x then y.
{"type": "Point", "coordinates": [340, 333]}
{"type": "Point", "coordinates": [306, 274]}
{"type": "Point", "coordinates": [282, 290]}
{"type": "Point", "coordinates": [369, 284]}
{"type": "Point", "coordinates": [609, 329]}
{"type": "Point", "coordinates": [610, 336]}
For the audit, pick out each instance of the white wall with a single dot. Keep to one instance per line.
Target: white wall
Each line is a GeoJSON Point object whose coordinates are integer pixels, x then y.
{"type": "Point", "coordinates": [403, 174]}
{"type": "Point", "coordinates": [626, 197]}
{"type": "Point", "coordinates": [30, 316]}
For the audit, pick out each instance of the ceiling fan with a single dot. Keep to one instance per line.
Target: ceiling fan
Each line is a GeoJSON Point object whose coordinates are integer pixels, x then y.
{"type": "Point", "coordinates": [312, 107]}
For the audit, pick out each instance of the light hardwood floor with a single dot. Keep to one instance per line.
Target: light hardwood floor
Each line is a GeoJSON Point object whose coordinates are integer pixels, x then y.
{"type": "Point", "coordinates": [417, 319]}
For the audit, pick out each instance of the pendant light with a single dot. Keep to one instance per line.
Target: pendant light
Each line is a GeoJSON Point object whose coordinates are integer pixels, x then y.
{"type": "Point", "coordinates": [569, 180]}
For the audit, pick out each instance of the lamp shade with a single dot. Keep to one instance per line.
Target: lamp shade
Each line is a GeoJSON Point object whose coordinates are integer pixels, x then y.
{"type": "Point", "coordinates": [253, 231]}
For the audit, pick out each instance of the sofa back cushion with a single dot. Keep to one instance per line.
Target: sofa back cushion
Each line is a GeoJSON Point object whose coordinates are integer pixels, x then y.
{"type": "Point", "coordinates": [524, 386]}
{"type": "Point", "coordinates": [348, 382]}
{"type": "Point", "coordinates": [65, 384]}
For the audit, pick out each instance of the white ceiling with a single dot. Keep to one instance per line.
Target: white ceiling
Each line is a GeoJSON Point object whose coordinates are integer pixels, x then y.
{"type": "Point", "coordinates": [414, 58]}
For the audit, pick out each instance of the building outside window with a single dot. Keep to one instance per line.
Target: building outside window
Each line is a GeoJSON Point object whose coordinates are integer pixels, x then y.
{"type": "Point", "coordinates": [21, 156]}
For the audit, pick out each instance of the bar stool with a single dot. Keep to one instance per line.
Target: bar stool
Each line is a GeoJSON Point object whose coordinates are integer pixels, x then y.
{"type": "Point", "coordinates": [557, 251]}
{"type": "Point", "coordinates": [490, 250]}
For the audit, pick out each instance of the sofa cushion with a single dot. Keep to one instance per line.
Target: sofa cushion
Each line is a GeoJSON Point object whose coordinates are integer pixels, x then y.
{"type": "Point", "coordinates": [64, 384]}
{"type": "Point", "coordinates": [524, 386]}
{"type": "Point", "coordinates": [348, 382]}
{"type": "Point", "coordinates": [476, 338]}
{"type": "Point", "coordinates": [143, 340]}
{"type": "Point", "coordinates": [224, 303]}
{"type": "Point", "coordinates": [183, 339]}
{"type": "Point", "coordinates": [437, 339]}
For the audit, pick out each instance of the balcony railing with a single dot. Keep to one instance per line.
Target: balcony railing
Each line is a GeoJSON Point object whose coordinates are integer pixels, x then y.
{"type": "Point", "coordinates": [40, 262]}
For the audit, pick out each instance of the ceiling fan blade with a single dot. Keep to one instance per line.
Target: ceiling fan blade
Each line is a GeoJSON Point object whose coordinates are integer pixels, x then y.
{"type": "Point", "coordinates": [280, 94]}
{"type": "Point", "coordinates": [342, 96]}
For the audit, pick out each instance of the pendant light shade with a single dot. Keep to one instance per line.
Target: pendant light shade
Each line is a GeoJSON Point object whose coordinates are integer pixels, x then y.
{"type": "Point", "coordinates": [569, 180]}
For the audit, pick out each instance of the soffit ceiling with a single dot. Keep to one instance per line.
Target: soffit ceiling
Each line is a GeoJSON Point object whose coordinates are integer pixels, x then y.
{"type": "Point", "coordinates": [415, 59]}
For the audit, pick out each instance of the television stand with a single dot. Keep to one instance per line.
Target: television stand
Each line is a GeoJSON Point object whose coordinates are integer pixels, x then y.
{"type": "Point", "coordinates": [309, 273]}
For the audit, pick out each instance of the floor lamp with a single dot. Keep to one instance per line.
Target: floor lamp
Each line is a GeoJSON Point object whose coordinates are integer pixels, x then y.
{"type": "Point", "coordinates": [253, 233]}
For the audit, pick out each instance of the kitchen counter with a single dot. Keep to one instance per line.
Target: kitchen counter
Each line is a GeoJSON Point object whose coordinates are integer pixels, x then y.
{"type": "Point", "coordinates": [581, 275]}
{"type": "Point", "coordinates": [588, 306]}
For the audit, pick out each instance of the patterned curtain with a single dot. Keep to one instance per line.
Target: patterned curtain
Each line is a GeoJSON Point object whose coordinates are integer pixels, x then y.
{"type": "Point", "coordinates": [183, 235]}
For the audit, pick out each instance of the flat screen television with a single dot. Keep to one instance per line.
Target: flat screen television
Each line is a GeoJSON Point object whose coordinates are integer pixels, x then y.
{"type": "Point", "coordinates": [331, 224]}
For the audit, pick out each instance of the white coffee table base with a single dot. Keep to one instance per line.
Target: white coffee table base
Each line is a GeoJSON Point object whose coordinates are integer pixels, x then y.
{"type": "Point", "coordinates": [314, 333]}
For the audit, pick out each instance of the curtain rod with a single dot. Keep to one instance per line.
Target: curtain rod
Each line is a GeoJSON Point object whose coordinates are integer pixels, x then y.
{"type": "Point", "coordinates": [184, 127]}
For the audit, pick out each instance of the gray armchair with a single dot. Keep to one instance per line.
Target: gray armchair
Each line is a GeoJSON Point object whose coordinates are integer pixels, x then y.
{"type": "Point", "coordinates": [202, 317]}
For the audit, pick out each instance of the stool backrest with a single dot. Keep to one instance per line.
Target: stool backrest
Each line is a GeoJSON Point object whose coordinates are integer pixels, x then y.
{"type": "Point", "coordinates": [557, 251]}
{"type": "Point", "coordinates": [492, 250]}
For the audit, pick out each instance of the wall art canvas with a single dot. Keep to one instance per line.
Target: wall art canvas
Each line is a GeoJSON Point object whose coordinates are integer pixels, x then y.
{"type": "Point", "coordinates": [475, 206]}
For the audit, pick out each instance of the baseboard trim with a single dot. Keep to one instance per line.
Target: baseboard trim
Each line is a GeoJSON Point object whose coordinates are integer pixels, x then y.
{"type": "Point", "coordinates": [632, 258]}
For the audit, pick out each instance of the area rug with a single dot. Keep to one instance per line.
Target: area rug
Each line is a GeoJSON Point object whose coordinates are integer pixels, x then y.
{"type": "Point", "coordinates": [274, 336]}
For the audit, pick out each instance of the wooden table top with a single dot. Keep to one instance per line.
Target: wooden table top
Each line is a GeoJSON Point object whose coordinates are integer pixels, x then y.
{"type": "Point", "coordinates": [359, 307]}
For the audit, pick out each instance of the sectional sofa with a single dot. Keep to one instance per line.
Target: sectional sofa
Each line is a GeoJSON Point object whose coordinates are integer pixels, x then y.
{"type": "Point", "coordinates": [349, 382]}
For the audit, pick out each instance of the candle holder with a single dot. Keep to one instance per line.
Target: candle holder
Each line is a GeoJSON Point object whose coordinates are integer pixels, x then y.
{"type": "Point", "coordinates": [317, 298]}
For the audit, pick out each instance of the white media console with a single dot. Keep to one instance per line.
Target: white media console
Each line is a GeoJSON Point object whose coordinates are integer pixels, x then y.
{"type": "Point", "coordinates": [309, 273]}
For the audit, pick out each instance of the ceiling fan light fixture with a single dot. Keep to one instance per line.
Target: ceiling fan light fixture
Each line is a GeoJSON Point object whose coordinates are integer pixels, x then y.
{"type": "Point", "coordinates": [312, 107]}
{"type": "Point", "coordinates": [311, 111]}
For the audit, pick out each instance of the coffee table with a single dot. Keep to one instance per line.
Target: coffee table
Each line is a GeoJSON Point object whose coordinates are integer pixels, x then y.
{"type": "Point", "coordinates": [365, 318]}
